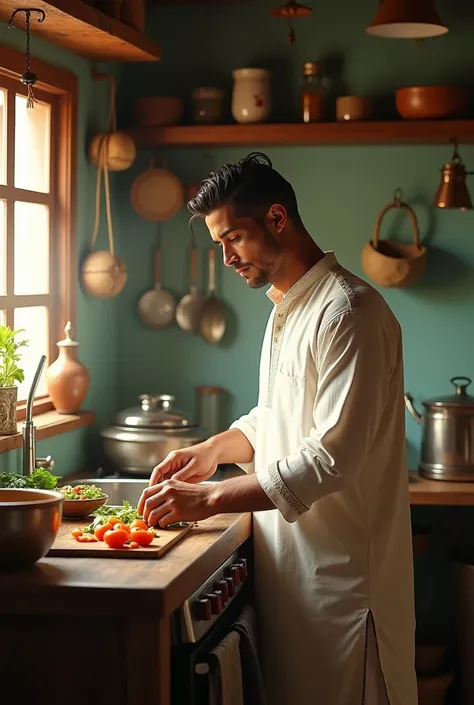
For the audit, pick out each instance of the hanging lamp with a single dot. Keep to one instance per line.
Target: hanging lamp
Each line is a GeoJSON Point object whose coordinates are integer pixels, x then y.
{"type": "Point", "coordinates": [28, 78]}
{"type": "Point", "coordinates": [452, 191]}
{"type": "Point", "coordinates": [289, 11]}
{"type": "Point", "coordinates": [406, 19]}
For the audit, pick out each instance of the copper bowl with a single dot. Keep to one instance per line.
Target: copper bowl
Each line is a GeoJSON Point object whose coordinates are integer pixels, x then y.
{"type": "Point", "coordinates": [29, 523]}
{"type": "Point", "coordinates": [431, 102]}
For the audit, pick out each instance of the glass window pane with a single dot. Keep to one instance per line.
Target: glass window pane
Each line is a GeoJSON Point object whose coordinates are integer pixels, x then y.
{"type": "Point", "coordinates": [3, 318]}
{"type": "Point", "coordinates": [34, 319]}
{"type": "Point", "coordinates": [3, 137]}
{"type": "Point", "coordinates": [3, 248]}
{"type": "Point", "coordinates": [32, 145]}
{"type": "Point", "coordinates": [31, 248]}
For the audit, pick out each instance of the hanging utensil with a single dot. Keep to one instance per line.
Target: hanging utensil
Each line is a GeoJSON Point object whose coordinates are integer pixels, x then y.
{"type": "Point", "coordinates": [213, 320]}
{"type": "Point", "coordinates": [189, 309]}
{"type": "Point", "coordinates": [157, 307]}
{"type": "Point", "coordinates": [157, 194]}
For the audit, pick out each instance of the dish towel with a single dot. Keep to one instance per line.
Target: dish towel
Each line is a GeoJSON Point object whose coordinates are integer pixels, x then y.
{"type": "Point", "coordinates": [252, 680]}
{"type": "Point", "coordinates": [225, 686]}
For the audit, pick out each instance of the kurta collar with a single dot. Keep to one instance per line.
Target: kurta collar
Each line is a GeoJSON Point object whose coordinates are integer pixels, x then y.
{"type": "Point", "coordinates": [311, 277]}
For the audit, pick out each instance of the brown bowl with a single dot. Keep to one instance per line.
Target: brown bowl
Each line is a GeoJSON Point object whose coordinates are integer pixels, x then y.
{"type": "Point", "coordinates": [431, 102]}
{"type": "Point", "coordinates": [79, 508]}
{"type": "Point", "coordinates": [154, 111]}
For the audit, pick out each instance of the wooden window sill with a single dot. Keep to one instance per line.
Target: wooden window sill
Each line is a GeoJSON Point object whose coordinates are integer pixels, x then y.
{"type": "Point", "coordinates": [48, 424]}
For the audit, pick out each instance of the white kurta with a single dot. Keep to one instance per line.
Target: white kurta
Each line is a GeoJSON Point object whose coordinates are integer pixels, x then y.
{"type": "Point", "coordinates": [329, 440]}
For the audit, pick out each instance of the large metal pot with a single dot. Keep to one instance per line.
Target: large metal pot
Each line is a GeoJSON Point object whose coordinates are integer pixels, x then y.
{"type": "Point", "coordinates": [447, 451]}
{"type": "Point", "coordinates": [143, 436]}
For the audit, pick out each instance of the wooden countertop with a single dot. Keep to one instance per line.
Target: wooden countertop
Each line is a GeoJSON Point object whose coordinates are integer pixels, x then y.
{"type": "Point", "coordinates": [440, 493]}
{"type": "Point", "coordinates": [125, 586]}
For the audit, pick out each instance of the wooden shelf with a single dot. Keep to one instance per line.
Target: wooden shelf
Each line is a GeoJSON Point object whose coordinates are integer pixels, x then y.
{"type": "Point", "coordinates": [84, 31]}
{"type": "Point", "coordinates": [48, 424]}
{"type": "Point", "coordinates": [328, 133]}
{"type": "Point", "coordinates": [440, 493]}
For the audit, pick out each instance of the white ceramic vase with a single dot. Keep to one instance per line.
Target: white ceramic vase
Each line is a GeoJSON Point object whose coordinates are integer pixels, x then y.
{"type": "Point", "coordinates": [251, 95]}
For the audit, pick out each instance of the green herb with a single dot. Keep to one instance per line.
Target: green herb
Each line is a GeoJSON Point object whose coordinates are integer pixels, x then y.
{"type": "Point", "coordinates": [40, 479]}
{"type": "Point", "coordinates": [9, 357]}
{"type": "Point", "coordinates": [79, 492]}
{"type": "Point", "coordinates": [127, 515]}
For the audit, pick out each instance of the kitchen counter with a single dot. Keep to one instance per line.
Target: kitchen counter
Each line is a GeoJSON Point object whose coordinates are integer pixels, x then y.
{"type": "Point", "coordinates": [440, 493]}
{"type": "Point", "coordinates": [105, 620]}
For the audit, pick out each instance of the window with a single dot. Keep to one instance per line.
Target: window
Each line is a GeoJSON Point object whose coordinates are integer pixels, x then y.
{"type": "Point", "coordinates": [37, 167]}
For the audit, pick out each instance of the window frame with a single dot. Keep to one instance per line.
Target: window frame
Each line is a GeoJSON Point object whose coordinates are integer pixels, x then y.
{"type": "Point", "coordinates": [62, 85]}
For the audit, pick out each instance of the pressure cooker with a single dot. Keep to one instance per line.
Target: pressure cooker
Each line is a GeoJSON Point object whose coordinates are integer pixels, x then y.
{"type": "Point", "coordinates": [447, 450]}
{"type": "Point", "coordinates": [142, 436]}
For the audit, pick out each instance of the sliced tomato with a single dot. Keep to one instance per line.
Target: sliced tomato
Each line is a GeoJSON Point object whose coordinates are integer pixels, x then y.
{"type": "Point", "coordinates": [139, 524]}
{"type": "Point", "coordinates": [142, 537]}
{"type": "Point", "coordinates": [76, 533]}
{"type": "Point", "coordinates": [122, 526]}
{"type": "Point", "coordinates": [100, 531]}
{"type": "Point", "coordinates": [134, 544]}
{"type": "Point", "coordinates": [115, 538]}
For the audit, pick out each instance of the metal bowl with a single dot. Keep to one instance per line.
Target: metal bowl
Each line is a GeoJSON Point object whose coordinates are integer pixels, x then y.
{"type": "Point", "coordinates": [29, 523]}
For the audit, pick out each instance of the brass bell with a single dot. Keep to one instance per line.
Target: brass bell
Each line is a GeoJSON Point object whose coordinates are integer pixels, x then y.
{"type": "Point", "coordinates": [452, 191]}
{"type": "Point", "coordinates": [406, 19]}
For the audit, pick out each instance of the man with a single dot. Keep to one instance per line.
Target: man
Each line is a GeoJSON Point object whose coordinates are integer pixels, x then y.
{"type": "Point", "coordinates": [325, 454]}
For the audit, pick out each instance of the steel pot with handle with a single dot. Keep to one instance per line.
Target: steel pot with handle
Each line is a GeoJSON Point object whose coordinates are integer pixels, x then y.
{"type": "Point", "coordinates": [447, 451]}
{"type": "Point", "coordinates": [142, 437]}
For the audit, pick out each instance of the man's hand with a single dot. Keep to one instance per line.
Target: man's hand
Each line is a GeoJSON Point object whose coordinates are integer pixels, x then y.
{"type": "Point", "coordinates": [194, 464]}
{"type": "Point", "coordinates": [173, 500]}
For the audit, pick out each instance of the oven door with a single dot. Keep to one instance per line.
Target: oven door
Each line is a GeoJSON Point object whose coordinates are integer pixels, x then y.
{"type": "Point", "coordinates": [193, 642]}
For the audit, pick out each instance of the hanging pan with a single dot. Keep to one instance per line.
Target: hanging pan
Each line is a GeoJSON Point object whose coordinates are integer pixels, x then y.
{"type": "Point", "coordinates": [157, 194]}
{"type": "Point", "coordinates": [156, 307]}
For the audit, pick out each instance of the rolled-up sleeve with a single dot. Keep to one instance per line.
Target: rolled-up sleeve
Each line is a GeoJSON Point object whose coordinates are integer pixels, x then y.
{"type": "Point", "coordinates": [354, 356]}
{"type": "Point", "coordinates": [247, 425]}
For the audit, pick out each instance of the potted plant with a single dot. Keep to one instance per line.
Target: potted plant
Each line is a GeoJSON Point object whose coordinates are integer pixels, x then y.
{"type": "Point", "coordinates": [10, 376]}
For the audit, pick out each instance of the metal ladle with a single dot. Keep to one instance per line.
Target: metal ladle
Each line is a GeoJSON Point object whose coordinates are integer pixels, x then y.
{"type": "Point", "coordinates": [213, 319]}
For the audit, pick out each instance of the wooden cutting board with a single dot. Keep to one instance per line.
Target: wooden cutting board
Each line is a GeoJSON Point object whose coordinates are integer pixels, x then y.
{"type": "Point", "coordinates": [66, 545]}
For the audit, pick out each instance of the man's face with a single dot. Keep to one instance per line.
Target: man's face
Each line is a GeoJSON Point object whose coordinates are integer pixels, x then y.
{"type": "Point", "coordinates": [253, 249]}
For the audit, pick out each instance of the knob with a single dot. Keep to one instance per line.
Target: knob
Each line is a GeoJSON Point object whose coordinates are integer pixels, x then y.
{"type": "Point", "coordinates": [202, 610]}
{"type": "Point", "coordinates": [242, 566]}
{"type": "Point", "coordinates": [230, 584]}
{"type": "Point", "coordinates": [223, 586]}
{"type": "Point", "coordinates": [215, 599]}
{"type": "Point", "coordinates": [235, 573]}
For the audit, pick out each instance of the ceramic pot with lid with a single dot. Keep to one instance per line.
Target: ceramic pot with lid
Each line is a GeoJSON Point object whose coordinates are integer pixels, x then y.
{"type": "Point", "coordinates": [447, 451]}
{"type": "Point", "coordinates": [142, 436]}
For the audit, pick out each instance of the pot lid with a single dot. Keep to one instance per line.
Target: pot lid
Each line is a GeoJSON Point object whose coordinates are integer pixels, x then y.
{"type": "Point", "coordinates": [155, 412]}
{"type": "Point", "coordinates": [459, 399]}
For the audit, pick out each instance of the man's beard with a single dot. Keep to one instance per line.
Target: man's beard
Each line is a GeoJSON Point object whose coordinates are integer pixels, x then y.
{"type": "Point", "coordinates": [263, 274]}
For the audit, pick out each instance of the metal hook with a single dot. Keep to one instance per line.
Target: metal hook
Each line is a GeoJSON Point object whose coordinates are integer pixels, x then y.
{"type": "Point", "coordinates": [397, 196]}
{"type": "Point", "coordinates": [27, 11]}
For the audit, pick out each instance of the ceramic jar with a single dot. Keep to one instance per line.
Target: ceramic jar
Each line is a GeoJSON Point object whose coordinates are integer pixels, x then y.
{"type": "Point", "coordinates": [251, 95]}
{"type": "Point", "coordinates": [67, 379]}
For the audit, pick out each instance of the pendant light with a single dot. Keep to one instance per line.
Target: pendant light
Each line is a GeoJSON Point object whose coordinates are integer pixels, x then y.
{"type": "Point", "coordinates": [406, 19]}
{"type": "Point", "coordinates": [452, 191]}
{"type": "Point", "coordinates": [28, 78]}
{"type": "Point", "coordinates": [289, 11]}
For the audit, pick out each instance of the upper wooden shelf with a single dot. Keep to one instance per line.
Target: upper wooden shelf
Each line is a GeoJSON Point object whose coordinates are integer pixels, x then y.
{"type": "Point", "coordinates": [327, 133]}
{"type": "Point", "coordinates": [84, 31]}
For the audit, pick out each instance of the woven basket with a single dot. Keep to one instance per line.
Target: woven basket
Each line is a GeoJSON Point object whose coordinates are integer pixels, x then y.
{"type": "Point", "coordinates": [389, 263]}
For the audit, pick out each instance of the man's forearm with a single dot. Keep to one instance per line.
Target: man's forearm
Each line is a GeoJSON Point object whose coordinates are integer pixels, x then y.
{"type": "Point", "coordinates": [231, 447]}
{"type": "Point", "coordinates": [239, 494]}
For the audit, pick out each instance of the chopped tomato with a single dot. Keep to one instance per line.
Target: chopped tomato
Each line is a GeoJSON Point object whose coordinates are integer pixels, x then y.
{"type": "Point", "coordinates": [76, 533]}
{"type": "Point", "coordinates": [113, 520]}
{"type": "Point", "coordinates": [115, 538]}
{"type": "Point", "coordinates": [139, 524]}
{"type": "Point", "coordinates": [100, 531]}
{"type": "Point", "coordinates": [83, 538]}
{"type": "Point", "coordinates": [142, 537]}
{"type": "Point", "coordinates": [120, 525]}
{"type": "Point", "coordinates": [133, 544]}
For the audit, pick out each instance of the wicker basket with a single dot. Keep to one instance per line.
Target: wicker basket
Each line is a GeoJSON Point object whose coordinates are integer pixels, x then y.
{"type": "Point", "coordinates": [389, 263]}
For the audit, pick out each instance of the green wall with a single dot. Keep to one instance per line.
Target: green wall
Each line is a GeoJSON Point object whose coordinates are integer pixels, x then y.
{"type": "Point", "coordinates": [96, 320]}
{"type": "Point", "coordinates": [340, 192]}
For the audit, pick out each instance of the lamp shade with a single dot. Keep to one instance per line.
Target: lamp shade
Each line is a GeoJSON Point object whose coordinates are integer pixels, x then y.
{"type": "Point", "coordinates": [452, 191]}
{"type": "Point", "coordinates": [406, 19]}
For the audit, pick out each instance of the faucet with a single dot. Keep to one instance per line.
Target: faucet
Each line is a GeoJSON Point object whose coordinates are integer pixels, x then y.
{"type": "Point", "coordinates": [30, 461]}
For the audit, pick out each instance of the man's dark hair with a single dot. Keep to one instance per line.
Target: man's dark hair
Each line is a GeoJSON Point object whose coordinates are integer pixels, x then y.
{"type": "Point", "coordinates": [250, 185]}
